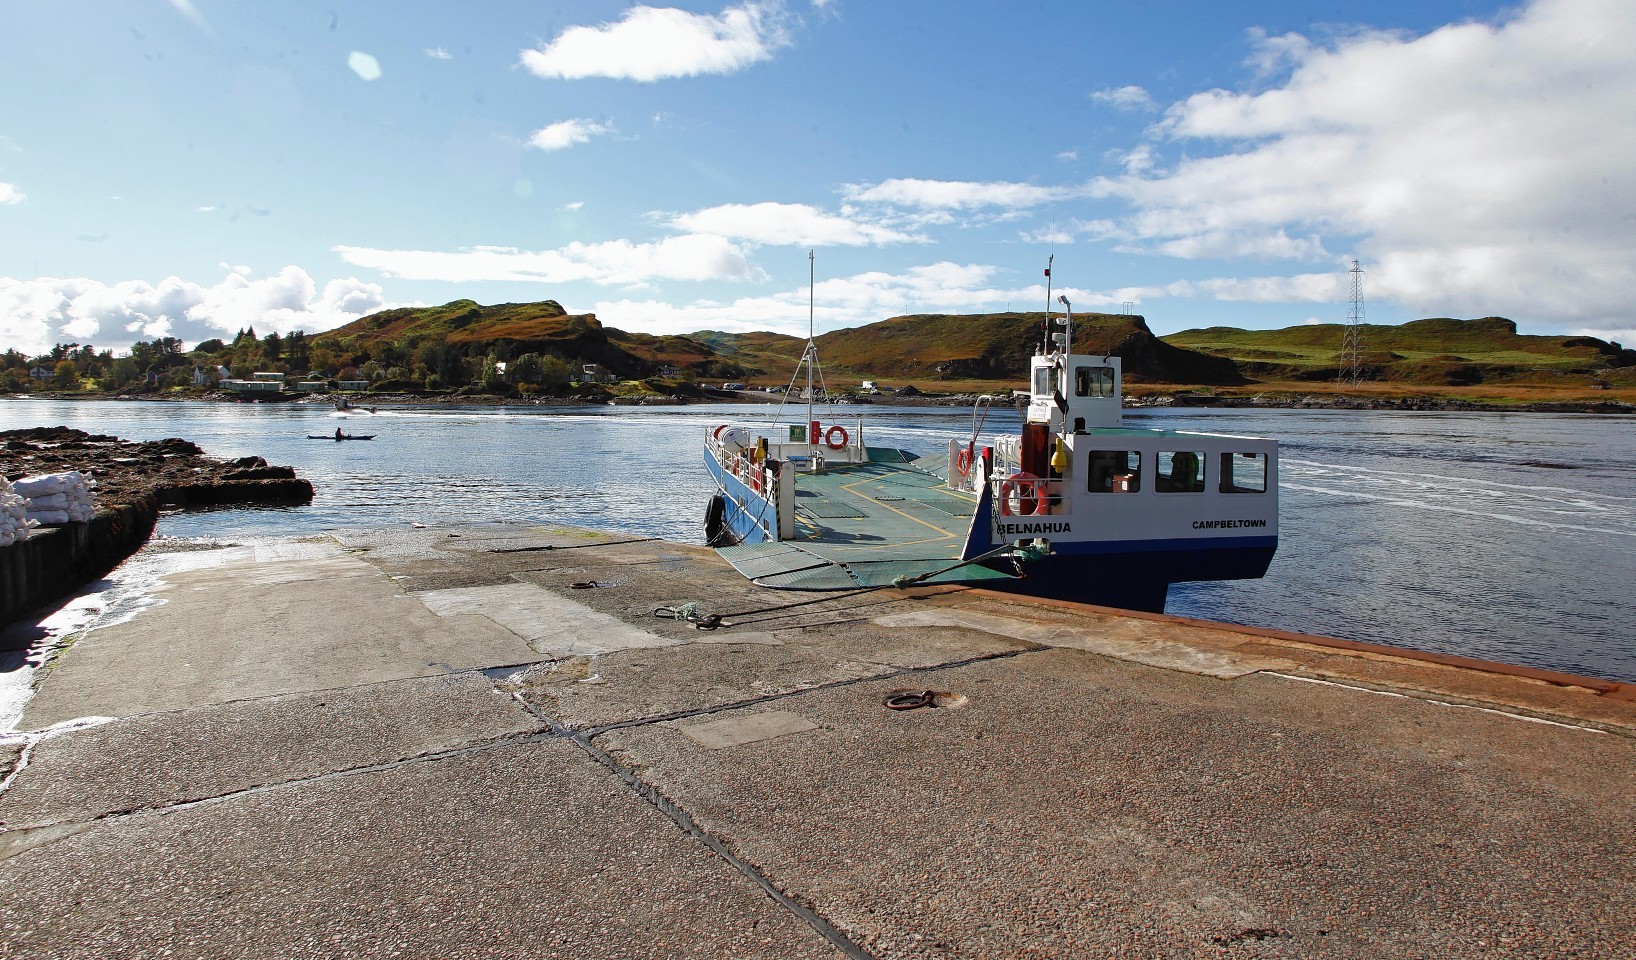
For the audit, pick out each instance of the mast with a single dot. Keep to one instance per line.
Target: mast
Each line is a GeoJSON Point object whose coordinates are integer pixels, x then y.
{"type": "Point", "coordinates": [1046, 326]}
{"type": "Point", "coordinates": [811, 353]}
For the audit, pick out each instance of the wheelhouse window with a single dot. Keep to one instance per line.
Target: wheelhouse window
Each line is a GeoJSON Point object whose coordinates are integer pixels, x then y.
{"type": "Point", "coordinates": [1042, 381]}
{"type": "Point", "coordinates": [1093, 381]}
{"type": "Point", "coordinates": [1114, 471]}
{"type": "Point", "coordinates": [1179, 471]}
{"type": "Point", "coordinates": [1243, 473]}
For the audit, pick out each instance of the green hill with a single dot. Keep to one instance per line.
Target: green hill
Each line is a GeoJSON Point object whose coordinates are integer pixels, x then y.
{"type": "Point", "coordinates": [925, 348]}
{"type": "Point", "coordinates": [1434, 352]}
{"type": "Point", "coordinates": [959, 351]}
{"type": "Point", "coordinates": [996, 346]}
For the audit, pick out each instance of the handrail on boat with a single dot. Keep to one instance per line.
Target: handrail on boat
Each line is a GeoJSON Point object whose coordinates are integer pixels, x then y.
{"type": "Point", "coordinates": [1048, 494]}
{"type": "Point", "coordinates": [980, 406]}
{"type": "Point", "coordinates": [757, 477]}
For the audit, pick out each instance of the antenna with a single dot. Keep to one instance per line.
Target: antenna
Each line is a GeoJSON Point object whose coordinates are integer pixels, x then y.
{"type": "Point", "coordinates": [1046, 326]}
{"type": "Point", "coordinates": [1067, 325]}
{"type": "Point", "coordinates": [811, 353]}
{"type": "Point", "coordinates": [1351, 368]}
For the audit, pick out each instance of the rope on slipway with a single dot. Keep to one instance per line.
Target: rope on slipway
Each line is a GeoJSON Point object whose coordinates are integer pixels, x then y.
{"type": "Point", "coordinates": [573, 546]}
{"type": "Point", "coordinates": [690, 613]}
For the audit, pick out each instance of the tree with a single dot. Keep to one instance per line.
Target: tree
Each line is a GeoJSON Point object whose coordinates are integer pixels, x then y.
{"type": "Point", "coordinates": [492, 381]}
{"type": "Point", "coordinates": [451, 366]}
{"type": "Point", "coordinates": [65, 376]}
{"type": "Point", "coordinates": [555, 373]}
{"type": "Point", "coordinates": [295, 350]}
{"type": "Point", "coordinates": [122, 373]}
{"type": "Point", "coordinates": [210, 346]}
{"type": "Point", "coordinates": [525, 369]}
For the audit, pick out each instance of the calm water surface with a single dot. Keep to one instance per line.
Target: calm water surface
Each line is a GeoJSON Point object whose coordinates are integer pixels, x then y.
{"type": "Point", "coordinates": [1508, 537]}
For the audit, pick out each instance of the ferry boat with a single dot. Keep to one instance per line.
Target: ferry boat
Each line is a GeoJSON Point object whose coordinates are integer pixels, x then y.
{"type": "Point", "coordinates": [1076, 506]}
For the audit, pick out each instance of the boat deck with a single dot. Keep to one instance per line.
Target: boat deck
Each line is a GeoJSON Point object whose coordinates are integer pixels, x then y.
{"type": "Point", "coordinates": [865, 525]}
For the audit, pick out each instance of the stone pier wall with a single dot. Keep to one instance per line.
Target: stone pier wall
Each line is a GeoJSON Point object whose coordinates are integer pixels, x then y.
{"type": "Point", "coordinates": [56, 560]}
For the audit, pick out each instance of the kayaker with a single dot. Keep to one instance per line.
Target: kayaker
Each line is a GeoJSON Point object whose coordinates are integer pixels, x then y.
{"type": "Point", "coordinates": [338, 433]}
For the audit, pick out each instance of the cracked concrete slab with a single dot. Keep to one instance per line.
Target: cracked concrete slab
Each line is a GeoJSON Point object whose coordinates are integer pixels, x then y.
{"type": "Point", "coordinates": [168, 758]}
{"type": "Point", "coordinates": [1075, 804]}
{"type": "Point", "coordinates": [240, 630]}
{"type": "Point", "coordinates": [739, 729]}
{"type": "Point", "coordinates": [1081, 806]}
{"type": "Point", "coordinates": [553, 625]}
{"type": "Point", "coordinates": [519, 851]}
{"type": "Point", "coordinates": [1125, 641]}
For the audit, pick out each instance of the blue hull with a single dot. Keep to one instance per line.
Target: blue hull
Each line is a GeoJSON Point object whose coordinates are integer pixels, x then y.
{"type": "Point", "coordinates": [737, 524]}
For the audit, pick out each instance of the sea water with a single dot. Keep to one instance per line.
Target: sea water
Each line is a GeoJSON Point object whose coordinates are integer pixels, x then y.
{"type": "Point", "coordinates": [1502, 536]}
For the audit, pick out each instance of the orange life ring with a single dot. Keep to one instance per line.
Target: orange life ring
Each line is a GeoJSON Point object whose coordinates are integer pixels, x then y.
{"type": "Point", "coordinates": [829, 437]}
{"type": "Point", "coordinates": [1029, 492]}
{"type": "Point", "coordinates": [717, 432]}
{"type": "Point", "coordinates": [962, 462]}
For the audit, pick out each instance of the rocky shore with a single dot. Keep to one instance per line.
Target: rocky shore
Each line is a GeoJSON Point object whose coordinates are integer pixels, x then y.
{"type": "Point", "coordinates": [134, 480]}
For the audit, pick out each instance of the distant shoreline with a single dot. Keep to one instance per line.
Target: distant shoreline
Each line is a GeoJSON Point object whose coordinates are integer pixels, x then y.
{"type": "Point", "coordinates": [1302, 401]}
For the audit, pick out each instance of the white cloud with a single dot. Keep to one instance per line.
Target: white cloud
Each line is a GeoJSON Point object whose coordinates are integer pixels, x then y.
{"type": "Point", "coordinates": [656, 43]}
{"type": "Point", "coordinates": [1482, 168]}
{"type": "Point", "coordinates": [1129, 97]}
{"type": "Point", "coordinates": [844, 302]}
{"type": "Point", "coordinates": [10, 194]}
{"type": "Point", "coordinates": [37, 314]}
{"type": "Point", "coordinates": [956, 194]}
{"type": "Point", "coordinates": [364, 65]}
{"type": "Point", "coordinates": [438, 53]}
{"type": "Point", "coordinates": [573, 205]}
{"type": "Point", "coordinates": [565, 133]}
{"type": "Point", "coordinates": [1067, 156]}
{"type": "Point", "coordinates": [1625, 335]}
{"type": "Point", "coordinates": [781, 224]}
{"type": "Point", "coordinates": [691, 257]}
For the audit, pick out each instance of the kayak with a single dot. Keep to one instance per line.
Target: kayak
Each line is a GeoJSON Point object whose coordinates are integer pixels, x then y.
{"type": "Point", "coordinates": [348, 436]}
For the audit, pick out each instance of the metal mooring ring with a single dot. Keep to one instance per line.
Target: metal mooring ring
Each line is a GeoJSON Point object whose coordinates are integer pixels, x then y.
{"type": "Point", "coordinates": [911, 701]}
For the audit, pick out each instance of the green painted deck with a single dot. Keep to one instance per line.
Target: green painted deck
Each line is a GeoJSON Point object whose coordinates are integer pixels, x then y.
{"type": "Point", "coordinates": [865, 525]}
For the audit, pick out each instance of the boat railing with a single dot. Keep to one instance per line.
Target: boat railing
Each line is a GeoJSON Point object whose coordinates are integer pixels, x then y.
{"type": "Point", "coordinates": [1007, 456]}
{"type": "Point", "coordinates": [1022, 495]}
{"type": "Point", "coordinates": [758, 476]}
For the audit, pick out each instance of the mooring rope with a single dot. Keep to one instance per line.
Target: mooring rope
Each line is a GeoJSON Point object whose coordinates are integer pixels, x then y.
{"type": "Point", "coordinates": [573, 546]}
{"type": "Point", "coordinates": [690, 613]}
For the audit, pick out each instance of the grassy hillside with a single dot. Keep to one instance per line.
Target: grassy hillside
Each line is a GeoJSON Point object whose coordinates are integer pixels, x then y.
{"type": "Point", "coordinates": [996, 347]}
{"type": "Point", "coordinates": [463, 321]}
{"type": "Point", "coordinates": [1434, 352]}
{"type": "Point", "coordinates": [952, 352]}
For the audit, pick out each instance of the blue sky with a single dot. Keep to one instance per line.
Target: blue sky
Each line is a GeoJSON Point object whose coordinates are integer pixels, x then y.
{"type": "Point", "coordinates": [189, 167]}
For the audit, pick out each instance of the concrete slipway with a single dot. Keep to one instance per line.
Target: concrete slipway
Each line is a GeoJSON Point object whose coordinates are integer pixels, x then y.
{"type": "Point", "coordinates": [431, 744]}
